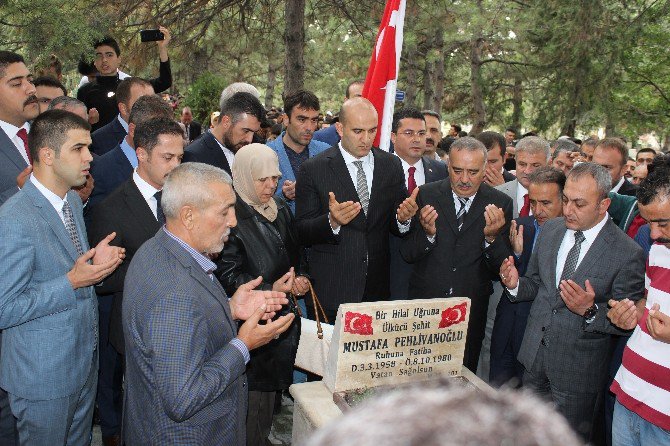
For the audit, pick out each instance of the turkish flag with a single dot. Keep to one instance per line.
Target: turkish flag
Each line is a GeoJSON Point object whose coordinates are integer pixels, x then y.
{"type": "Point", "coordinates": [454, 315]}
{"type": "Point", "coordinates": [357, 323]}
{"type": "Point", "coordinates": [382, 78]}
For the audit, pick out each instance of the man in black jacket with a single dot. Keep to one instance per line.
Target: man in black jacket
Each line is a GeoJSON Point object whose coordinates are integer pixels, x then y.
{"type": "Point", "coordinates": [461, 219]}
{"type": "Point", "coordinates": [100, 94]}
{"type": "Point", "coordinates": [133, 211]}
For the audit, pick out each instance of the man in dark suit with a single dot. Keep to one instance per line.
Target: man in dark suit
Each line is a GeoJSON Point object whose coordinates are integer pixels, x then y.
{"type": "Point", "coordinates": [496, 174]}
{"type": "Point", "coordinates": [348, 198]}
{"type": "Point", "coordinates": [240, 118]}
{"type": "Point", "coordinates": [580, 262]}
{"type": "Point", "coordinates": [185, 357]}
{"type": "Point", "coordinates": [612, 154]}
{"type": "Point", "coordinates": [408, 135]}
{"type": "Point", "coordinates": [546, 201]}
{"type": "Point", "coordinates": [133, 212]}
{"type": "Point", "coordinates": [451, 253]}
{"type": "Point", "coordinates": [193, 128]}
{"type": "Point", "coordinates": [114, 167]}
{"type": "Point", "coordinates": [111, 134]}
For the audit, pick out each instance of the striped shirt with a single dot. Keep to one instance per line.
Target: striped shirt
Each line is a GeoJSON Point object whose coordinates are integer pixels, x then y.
{"type": "Point", "coordinates": [209, 267]}
{"type": "Point", "coordinates": [642, 383]}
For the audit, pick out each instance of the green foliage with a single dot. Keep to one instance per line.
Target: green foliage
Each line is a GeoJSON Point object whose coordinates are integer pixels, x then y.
{"type": "Point", "coordinates": [203, 95]}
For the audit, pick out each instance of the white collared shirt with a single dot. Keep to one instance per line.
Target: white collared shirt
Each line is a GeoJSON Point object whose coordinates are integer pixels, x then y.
{"type": "Point", "coordinates": [56, 201]}
{"type": "Point", "coordinates": [419, 173]}
{"type": "Point", "coordinates": [147, 191]}
{"type": "Point", "coordinates": [520, 193]}
{"type": "Point", "coordinates": [11, 131]}
{"type": "Point", "coordinates": [230, 156]}
{"type": "Point", "coordinates": [569, 240]}
{"type": "Point", "coordinates": [618, 185]}
{"type": "Point", "coordinates": [457, 203]}
{"type": "Point", "coordinates": [368, 166]}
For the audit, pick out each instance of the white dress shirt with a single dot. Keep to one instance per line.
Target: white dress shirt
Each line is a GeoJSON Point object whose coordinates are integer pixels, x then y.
{"type": "Point", "coordinates": [230, 156]}
{"type": "Point", "coordinates": [419, 173]}
{"type": "Point", "coordinates": [11, 131]}
{"type": "Point", "coordinates": [520, 193]}
{"type": "Point", "coordinates": [618, 185]}
{"type": "Point", "coordinates": [147, 191]}
{"type": "Point", "coordinates": [56, 201]}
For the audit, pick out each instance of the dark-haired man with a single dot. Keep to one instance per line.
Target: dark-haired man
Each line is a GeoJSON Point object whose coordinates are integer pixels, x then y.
{"type": "Point", "coordinates": [612, 154]}
{"type": "Point", "coordinates": [100, 94]}
{"type": "Point", "coordinates": [47, 89]}
{"type": "Point", "coordinates": [408, 135]}
{"type": "Point", "coordinates": [563, 155]}
{"type": "Point", "coordinates": [240, 118]}
{"type": "Point", "coordinates": [133, 212]}
{"type": "Point", "coordinates": [48, 310]}
{"type": "Point", "coordinates": [433, 133]}
{"type": "Point", "coordinates": [111, 134]}
{"type": "Point", "coordinates": [496, 174]}
{"type": "Point", "coordinates": [296, 144]}
{"type": "Point", "coordinates": [329, 135]}
{"type": "Point", "coordinates": [644, 156]}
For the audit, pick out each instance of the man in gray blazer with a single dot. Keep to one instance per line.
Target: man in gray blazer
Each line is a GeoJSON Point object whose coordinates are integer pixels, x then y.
{"type": "Point", "coordinates": [581, 261]}
{"type": "Point", "coordinates": [185, 358]}
{"type": "Point", "coordinates": [48, 310]}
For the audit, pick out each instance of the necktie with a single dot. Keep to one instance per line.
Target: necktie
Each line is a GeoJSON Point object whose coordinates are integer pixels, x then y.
{"type": "Point", "coordinates": [71, 228]}
{"type": "Point", "coordinates": [573, 256]}
{"type": "Point", "coordinates": [188, 132]}
{"type": "Point", "coordinates": [460, 217]}
{"type": "Point", "coordinates": [159, 210]}
{"type": "Point", "coordinates": [23, 134]}
{"type": "Point", "coordinates": [525, 210]}
{"type": "Point", "coordinates": [411, 181]}
{"type": "Point", "coordinates": [362, 186]}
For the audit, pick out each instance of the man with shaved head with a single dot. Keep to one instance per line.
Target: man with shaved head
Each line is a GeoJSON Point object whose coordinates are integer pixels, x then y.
{"type": "Point", "coordinates": [347, 199]}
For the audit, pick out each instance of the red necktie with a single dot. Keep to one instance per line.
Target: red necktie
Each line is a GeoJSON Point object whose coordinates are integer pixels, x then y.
{"type": "Point", "coordinates": [411, 182]}
{"type": "Point", "coordinates": [525, 210]}
{"type": "Point", "coordinates": [23, 134]}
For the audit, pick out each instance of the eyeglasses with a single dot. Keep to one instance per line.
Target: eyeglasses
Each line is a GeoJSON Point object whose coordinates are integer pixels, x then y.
{"type": "Point", "coordinates": [412, 133]}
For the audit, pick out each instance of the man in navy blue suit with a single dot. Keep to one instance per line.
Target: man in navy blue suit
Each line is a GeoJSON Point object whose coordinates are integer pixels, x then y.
{"type": "Point", "coordinates": [546, 202]}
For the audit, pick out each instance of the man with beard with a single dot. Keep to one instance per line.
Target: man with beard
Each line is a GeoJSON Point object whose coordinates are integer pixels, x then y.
{"type": "Point", "coordinates": [433, 133]}
{"type": "Point", "coordinates": [296, 145]}
{"type": "Point", "coordinates": [241, 117]}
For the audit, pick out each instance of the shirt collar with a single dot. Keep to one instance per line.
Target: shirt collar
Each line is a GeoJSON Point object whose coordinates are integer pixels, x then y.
{"type": "Point", "coordinates": [405, 165]}
{"type": "Point", "coordinates": [470, 199]}
{"type": "Point", "coordinates": [522, 190]}
{"type": "Point", "coordinates": [349, 158]}
{"type": "Point", "coordinates": [591, 234]}
{"type": "Point", "coordinates": [129, 152]}
{"type": "Point", "coordinates": [124, 124]}
{"type": "Point", "coordinates": [205, 263]}
{"type": "Point", "coordinates": [56, 201]}
{"type": "Point", "coordinates": [618, 185]}
{"type": "Point", "coordinates": [11, 130]}
{"type": "Point", "coordinates": [224, 148]}
{"type": "Point", "coordinates": [146, 189]}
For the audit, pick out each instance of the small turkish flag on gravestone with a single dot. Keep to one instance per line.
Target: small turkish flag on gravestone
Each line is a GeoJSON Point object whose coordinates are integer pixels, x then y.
{"type": "Point", "coordinates": [382, 78]}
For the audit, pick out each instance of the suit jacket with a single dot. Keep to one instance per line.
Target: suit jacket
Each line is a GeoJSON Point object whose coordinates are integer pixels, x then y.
{"type": "Point", "coordinates": [185, 381]}
{"type": "Point", "coordinates": [354, 265]}
{"type": "Point", "coordinates": [458, 264]}
{"type": "Point", "coordinates": [510, 189]}
{"type": "Point", "coordinates": [400, 270]}
{"type": "Point", "coordinates": [507, 176]}
{"type": "Point", "coordinates": [194, 131]}
{"type": "Point", "coordinates": [206, 149]}
{"type": "Point", "coordinates": [109, 171]}
{"type": "Point", "coordinates": [50, 331]}
{"type": "Point", "coordinates": [11, 165]}
{"type": "Point", "coordinates": [628, 188]}
{"type": "Point", "coordinates": [578, 352]}
{"type": "Point", "coordinates": [125, 212]}
{"type": "Point", "coordinates": [315, 147]}
{"type": "Point", "coordinates": [328, 135]}
{"type": "Point", "coordinates": [107, 137]}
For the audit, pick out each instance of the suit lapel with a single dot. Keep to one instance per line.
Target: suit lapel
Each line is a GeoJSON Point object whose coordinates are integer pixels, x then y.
{"type": "Point", "coordinates": [428, 171]}
{"type": "Point", "coordinates": [595, 253]}
{"type": "Point", "coordinates": [140, 209]}
{"type": "Point", "coordinates": [217, 153]}
{"type": "Point", "coordinates": [445, 201]}
{"type": "Point", "coordinates": [476, 208]}
{"type": "Point", "coordinates": [554, 245]}
{"type": "Point", "coordinates": [378, 177]}
{"type": "Point", "coordinates": [336, 164]}
{"type": "Point", "coordinates": [11, 152]}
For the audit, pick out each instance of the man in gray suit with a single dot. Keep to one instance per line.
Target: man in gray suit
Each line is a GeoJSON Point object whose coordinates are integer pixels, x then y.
{"type": "Point", "coordinates": [48, 309]}
{"type": "Point", "coordinates": [581, 261]}
{"type": "Point", "coordinates": [185, 358]}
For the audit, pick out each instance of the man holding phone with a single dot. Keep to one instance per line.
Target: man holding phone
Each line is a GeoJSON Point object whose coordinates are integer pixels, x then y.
{"type": "Point", "coordinates": [101, 92]}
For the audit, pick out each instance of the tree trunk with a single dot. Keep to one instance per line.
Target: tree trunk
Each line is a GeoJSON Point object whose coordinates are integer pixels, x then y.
{"type": "Point", "coordinates": [517, 103]}
{"type": "Point", "coordinates": [411, 70]}
{"type": "Point", "coordinates": [294, 39]}
{"type": "Point", "coordinates": [439, 78]}
{"type": "Point", "coordinates": [478, 105]}
{"type": "Point", "coordinates": [272, 82]}
{"type": "Point", "coordinates": [428, 73]}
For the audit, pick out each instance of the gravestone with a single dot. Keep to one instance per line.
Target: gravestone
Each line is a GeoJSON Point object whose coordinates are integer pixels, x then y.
{"type": "Point", "coordinates": [389, 343]}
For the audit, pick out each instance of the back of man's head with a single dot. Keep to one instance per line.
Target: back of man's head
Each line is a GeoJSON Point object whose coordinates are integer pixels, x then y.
{"type": "Point", "coordinates": [148, 107]}
{"type": "Point", "coordinates": [124, 89]}
{"type": "Point", "coordinates": [50, 130]}
{"type": "Point", "coordinates": [240, 104]}
{"type": "Point", "coordinates": [237, 87]}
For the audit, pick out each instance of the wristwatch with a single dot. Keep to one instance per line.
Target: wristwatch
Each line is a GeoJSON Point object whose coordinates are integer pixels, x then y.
{"type": "Point", "coordinates": [590, 313]}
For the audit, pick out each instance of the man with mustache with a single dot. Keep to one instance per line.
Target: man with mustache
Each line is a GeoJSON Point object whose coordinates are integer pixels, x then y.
{"type": "Point", "coordinates": [296, 144]}
{"type": "Point", "coordinates": [241, 117]}
{"type": "Point", "coordinates": [48, 309]}
{"type": "Point", "coordinates": [461, 219]}
{"type": "Point", "coordinates": [433, 133]}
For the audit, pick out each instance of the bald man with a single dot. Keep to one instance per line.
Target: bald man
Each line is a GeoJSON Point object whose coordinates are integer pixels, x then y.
{"type": "Point", "coordinates": [348, 198]}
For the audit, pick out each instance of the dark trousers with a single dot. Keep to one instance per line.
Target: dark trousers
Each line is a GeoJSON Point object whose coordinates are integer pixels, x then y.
{"type": "Point", "coordinates": [259, 417]}
{"type": "Point", "coordinates": [9, 436]}
{"type": "Point", "coordinates": [110, 378]}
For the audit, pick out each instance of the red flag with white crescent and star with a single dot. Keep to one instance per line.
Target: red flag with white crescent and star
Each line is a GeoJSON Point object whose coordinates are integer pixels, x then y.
{"type": "Point", "coordinates": [382, 78]}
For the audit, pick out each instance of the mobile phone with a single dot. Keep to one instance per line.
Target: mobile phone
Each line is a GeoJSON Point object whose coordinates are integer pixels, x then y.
{"type": "Point", "coordinates": [151, 35]}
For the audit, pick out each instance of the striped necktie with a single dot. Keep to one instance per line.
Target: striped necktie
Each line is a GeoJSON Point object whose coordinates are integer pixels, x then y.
{"type": "Point", "coordinates": [72, 228]}
{"type": "Point", "coordinates": [362, 186]}
{"type": "Point", "coordinates": [460, 217]}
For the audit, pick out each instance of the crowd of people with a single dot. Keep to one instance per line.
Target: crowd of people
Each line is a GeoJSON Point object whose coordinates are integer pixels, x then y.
{"type": "Point", "coordinates": [154, 267]}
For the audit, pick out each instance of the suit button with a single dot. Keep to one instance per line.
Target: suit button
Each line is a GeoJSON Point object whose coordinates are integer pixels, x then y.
{"type": "Point", "coordinates": [543, 328]}
{"type": "Point", "coordinates": [453, 269]}
{"type": "Point", "coordinates": [554, 311]}
{"type": "Point", "coordinates": [543, 342]}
